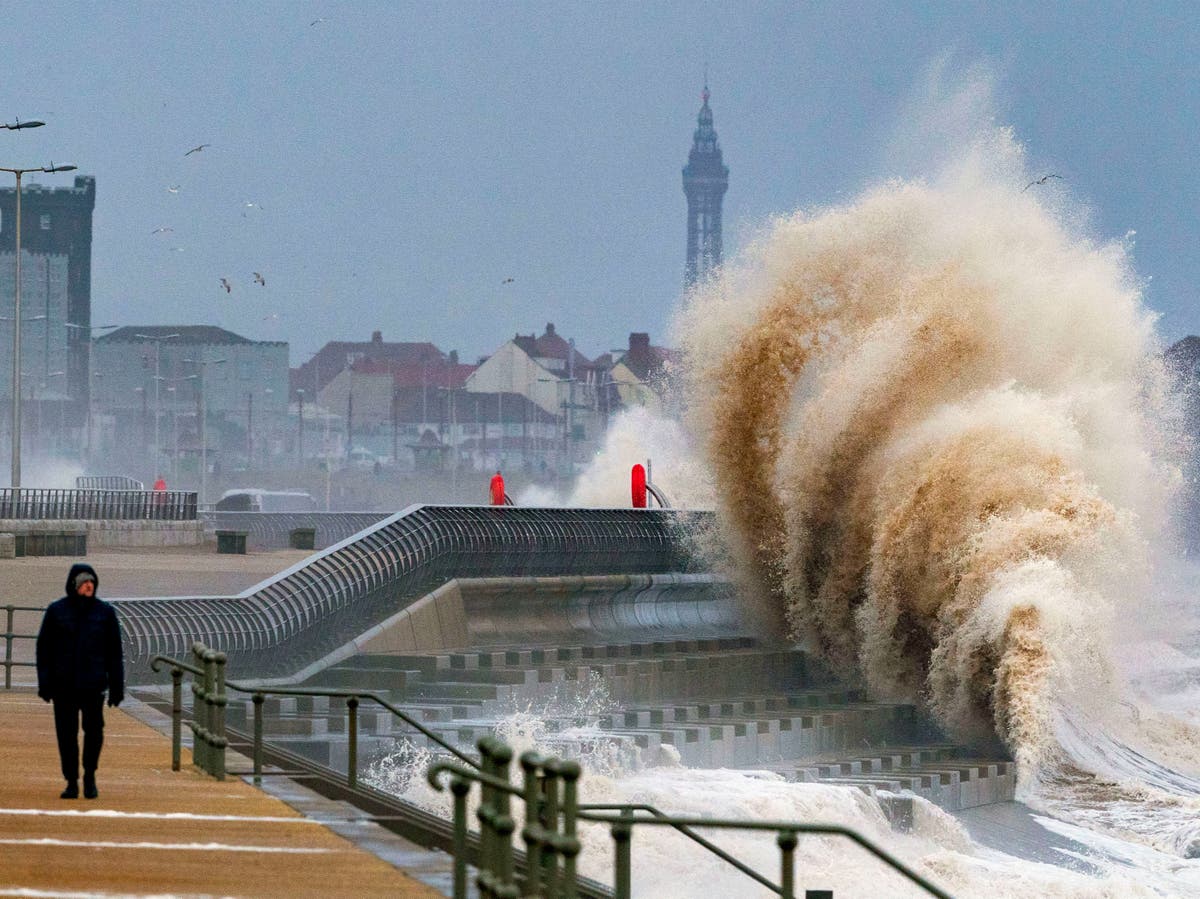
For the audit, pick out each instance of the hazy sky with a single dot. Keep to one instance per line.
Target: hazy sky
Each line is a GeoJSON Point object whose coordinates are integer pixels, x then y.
{"type": "Point", "coordinates": [404, 159]}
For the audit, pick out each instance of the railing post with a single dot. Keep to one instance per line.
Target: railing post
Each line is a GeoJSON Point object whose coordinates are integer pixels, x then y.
{"type": "Point", "coordinates": [787, 873]}
{"type": "Point", "coordinates": [505, 825]}
{"type": "Point", "coordinates": [176, 717]}
{"type": "Point", "coordinates": [460, 788]}
{"type": "Point", "coordinates": [352, 764]}
{"type": "Point", "coordinates": [570, 844]}
{"type": "Point", "coordinates": [199, 711]}
{"type": "Point", "coordinates": [8, 638]}
{"type": "Point", "coordinates": [210, 711]}
{"type": "Point", "coordinates": [549, 820]}
{"type": "Point", "coordinates": [485, 878]}
{"type": "Point", "coordinates": [534, 831]}
{"type": "Point", "coordinates": [219, 702]}
{"type": "Point", "coordinates": [258, 699]}
{"type": "Point", "coordinates": [622, 834]}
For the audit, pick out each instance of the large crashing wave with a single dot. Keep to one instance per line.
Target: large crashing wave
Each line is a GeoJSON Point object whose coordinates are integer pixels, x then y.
{"type": "Point", "coordinates": [934, 418]}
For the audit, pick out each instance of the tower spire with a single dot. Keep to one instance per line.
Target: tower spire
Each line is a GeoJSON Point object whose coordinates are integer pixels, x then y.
{"type": "Point", "coordinates": [705, 180]}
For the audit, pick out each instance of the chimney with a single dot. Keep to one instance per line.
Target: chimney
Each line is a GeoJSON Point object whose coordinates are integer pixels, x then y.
{"type": "Point", "coordinates": [639, 342]}
{"type": "Point", "coordinates": [550, 329]}
{"type": "Point", "coordinates": [454, 357]}
{"type": "Point", "coordinates": [376, 337]}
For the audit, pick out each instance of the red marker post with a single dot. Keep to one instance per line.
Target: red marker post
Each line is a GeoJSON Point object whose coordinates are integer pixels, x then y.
{"type": "Point", "coordinates": [639, 486]}
{"type": "Point", "coordinates": [497, 489]}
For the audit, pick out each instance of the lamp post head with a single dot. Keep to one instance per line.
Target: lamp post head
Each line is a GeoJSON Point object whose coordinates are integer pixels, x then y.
{"type": "Point", "coordinates": [59, 168]}
{"type": "Point", "coordinates": [18, 125]}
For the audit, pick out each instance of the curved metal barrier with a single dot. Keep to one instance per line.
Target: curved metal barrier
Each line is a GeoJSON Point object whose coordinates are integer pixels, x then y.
{"type": "Point", "coordinates": [303, 613]}
{"type": "Point", "coordinates": [272, 530]}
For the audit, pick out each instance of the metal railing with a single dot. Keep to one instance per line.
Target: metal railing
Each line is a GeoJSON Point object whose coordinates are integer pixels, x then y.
{"type": "Point", "coordinates": [9, 636]}
{"type": "Point", "coordinates": [210, 700]}
{"type": "Point", "coordinates": [36, 503]}
{"type": "Point", "coordinates": [549, 791]}
{"type": "Point", "coordinates": [311, 609]}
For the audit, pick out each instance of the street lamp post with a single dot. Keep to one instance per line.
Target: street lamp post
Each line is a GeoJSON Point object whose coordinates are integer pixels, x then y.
{"type": "Point", "coordinates": [204, 363]}
{"type": "Point", "coordinates": [60, 402]}
{"type": "Point", "coordinates": [174, 403]}
{"type": "Point", "coordinates": [267, 445]}
{"type": "Point", "coordinates": [16, 362]}
{"type": "Point", "coordinates": [158, 339]}
{"type": "Point", "coordinates": [174, 437]}
{"type": "Point", "coordinates": [91, 438]}
{"type": "Point", "coordinates": [300, 435]}
{"type": "Point", "coordinates": [92, 375]}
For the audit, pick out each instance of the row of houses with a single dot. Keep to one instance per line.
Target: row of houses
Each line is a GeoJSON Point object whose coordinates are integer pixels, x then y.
{"type": "Point", "coordinates": [536, 402]}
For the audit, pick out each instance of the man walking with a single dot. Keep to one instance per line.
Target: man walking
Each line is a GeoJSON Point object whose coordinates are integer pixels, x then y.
{"type": "Point", "coordinates": [78, 658]}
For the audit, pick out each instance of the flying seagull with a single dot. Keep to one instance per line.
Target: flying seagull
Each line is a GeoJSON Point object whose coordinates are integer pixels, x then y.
{"type": "Point", "coordinates": [174, 188]}
{"type": "Point", "coordinates": [507, 281]}
{"type": "Point", "coordinates": [1042, 180]}
{"type": "Point", "coordinates": [161, 230]}
{"type": "Point", "coordinates": [315, 22]}
{"type": "Point", "coordinates": [259, 279]}
{"type": "Point", "coordinates": [225, 283]}
{"type": "Point", "coordinates": [196, 149]}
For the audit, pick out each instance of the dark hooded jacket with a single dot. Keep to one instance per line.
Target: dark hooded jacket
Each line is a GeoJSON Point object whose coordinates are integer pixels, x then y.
{"type": "Point", "coordinates": [79, 645]}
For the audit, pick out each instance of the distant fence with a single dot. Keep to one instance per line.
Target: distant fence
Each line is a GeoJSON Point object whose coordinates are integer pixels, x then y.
{"type": "Point", "coordinates": [123, 505]}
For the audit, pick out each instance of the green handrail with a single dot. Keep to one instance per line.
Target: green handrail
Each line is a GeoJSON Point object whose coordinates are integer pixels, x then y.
{"type": "Point", "coordinates": [787, 843]}
{"type": "Point", "coordinates": [213, 721]}
{"type": "Point", "coordinates": [9, 636]}
{"type": "Point", "coordinates": [542, 836]}
{"type": "Point", "coordinates": [690, 834]}
{"type": "Point", "coordinates": [549, 793]}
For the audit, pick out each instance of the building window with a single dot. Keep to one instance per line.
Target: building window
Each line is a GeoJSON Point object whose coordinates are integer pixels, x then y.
{"type": "Point", "coordinates": [45, 221]}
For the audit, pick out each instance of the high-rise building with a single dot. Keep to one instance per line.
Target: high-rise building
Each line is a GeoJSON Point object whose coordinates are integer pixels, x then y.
{"type": "Point", "coordinates": [56, 291]}
{"type": "Point", "coordinates": [705, 180]}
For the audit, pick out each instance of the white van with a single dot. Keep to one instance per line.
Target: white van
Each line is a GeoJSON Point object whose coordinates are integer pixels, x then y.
{"type": "Point", "coordinates": [252, 499]}
{"type": "Point", "coordinates": [361, 457]}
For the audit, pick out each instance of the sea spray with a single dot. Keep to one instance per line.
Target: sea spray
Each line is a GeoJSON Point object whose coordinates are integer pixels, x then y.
{"type": "Point", "coordinates": [932, 419]}
{"type": "Point", "coordinates": [634, 436]}
{"type": "Point", "coordinates": [667, 864]}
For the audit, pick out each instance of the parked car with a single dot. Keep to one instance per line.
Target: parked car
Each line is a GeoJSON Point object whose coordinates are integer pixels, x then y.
{"type": "Point", "coordinates": [252, 499]}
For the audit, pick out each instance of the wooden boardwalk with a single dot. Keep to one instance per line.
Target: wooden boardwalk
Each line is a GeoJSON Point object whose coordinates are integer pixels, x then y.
{"type": "Point", "coordinates": [155, 831]}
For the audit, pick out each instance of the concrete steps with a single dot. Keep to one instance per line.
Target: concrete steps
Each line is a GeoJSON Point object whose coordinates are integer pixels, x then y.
{"type": "Point", "coordinates": [722, 702]}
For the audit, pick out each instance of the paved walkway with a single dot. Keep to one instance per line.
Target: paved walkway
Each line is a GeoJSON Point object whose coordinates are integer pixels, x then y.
{"type": "Point", "coordinates": [154, 831]}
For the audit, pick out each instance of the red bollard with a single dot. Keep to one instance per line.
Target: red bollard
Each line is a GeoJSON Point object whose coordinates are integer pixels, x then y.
{"type": "Point", "coordinates": [497, 490]}
{"type": "Point", "coordinates": [639, 486]}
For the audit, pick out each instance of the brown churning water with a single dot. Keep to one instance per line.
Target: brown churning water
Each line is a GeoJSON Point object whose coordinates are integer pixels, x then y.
{"type": "Point", "coordinates": [935, 420]}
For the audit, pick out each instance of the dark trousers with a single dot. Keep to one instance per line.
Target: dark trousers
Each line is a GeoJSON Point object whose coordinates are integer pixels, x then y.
{"type": "Point", "coordinates": [68, 710]}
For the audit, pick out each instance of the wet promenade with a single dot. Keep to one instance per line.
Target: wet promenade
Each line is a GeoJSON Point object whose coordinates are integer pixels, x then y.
{"type": "Point", "coordinates": [155, 832]}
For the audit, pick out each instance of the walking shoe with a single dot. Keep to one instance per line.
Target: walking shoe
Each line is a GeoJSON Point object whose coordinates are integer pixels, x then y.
{"type": "Point", "coordinates": [89, 787]}
{"type": "Point", "coordinates": [71, 792]}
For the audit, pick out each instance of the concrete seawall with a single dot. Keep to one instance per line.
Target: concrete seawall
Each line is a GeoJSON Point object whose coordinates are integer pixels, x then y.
{"type": "Point", "coordinates": [479, 612]}
{"type": "Point", "coordinates": [108, 533]}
